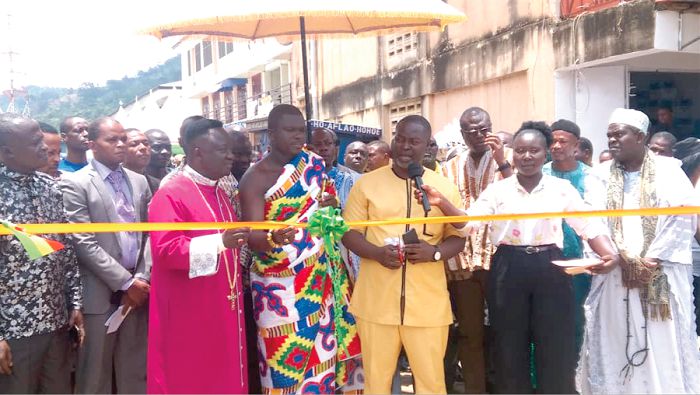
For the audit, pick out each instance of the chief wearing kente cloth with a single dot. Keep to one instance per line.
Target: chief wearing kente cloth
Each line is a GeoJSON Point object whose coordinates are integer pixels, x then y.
{"type": "Point", "coordinates": [304, 346]}
{"type": "Point", "coordinates": [397, 303]}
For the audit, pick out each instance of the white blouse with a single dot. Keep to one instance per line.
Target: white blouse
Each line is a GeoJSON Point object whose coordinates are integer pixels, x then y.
{"type": "Point", "coordinates": [550, 195]}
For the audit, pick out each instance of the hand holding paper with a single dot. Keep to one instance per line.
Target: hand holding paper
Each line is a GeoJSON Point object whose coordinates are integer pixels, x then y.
{"type": "Point", "coordinates": [115, 320]}
{"type": "Point", "coordinates": [578, 266]}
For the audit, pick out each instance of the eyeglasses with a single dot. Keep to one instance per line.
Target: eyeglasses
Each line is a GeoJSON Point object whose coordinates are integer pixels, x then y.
{"type": "Point", "coordinates": [472, 132]}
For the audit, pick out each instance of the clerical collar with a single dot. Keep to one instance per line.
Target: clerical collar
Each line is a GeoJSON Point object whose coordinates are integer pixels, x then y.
{"type": "Point", "coordinates": [195, 176]}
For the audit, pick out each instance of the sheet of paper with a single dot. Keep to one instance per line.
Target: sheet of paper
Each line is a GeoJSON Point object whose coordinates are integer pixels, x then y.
{"type": "Point", "coordinates": [573, 267]}
{"type": "Point", "coordinates": [583, 262]}
{"type": "Point", "coordinates": [115, 320]}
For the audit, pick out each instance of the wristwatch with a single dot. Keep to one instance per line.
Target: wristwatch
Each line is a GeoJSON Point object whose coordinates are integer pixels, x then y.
{"type": "Point", "coordinates": [436, 255]}
{"type": "Point", "coordinates": [504, 166]}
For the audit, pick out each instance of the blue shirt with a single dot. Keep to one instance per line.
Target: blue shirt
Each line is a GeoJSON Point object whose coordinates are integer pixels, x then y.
{"type": "Point", "coordinates": [343, 180]}
{"type": "Point", "coordinates": [70, 167]}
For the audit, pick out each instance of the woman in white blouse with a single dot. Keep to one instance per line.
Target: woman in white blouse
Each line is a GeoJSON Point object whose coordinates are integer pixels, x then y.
{"type": "Point", "coordinates": [529, 298]}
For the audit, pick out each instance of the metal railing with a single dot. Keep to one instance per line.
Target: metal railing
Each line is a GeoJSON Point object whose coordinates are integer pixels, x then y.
{"type": "Point", "coordinates": [252, 107]}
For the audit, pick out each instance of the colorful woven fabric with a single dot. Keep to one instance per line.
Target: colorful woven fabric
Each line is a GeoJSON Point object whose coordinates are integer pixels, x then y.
{"type": "Point", "coordinates": [293, 296]}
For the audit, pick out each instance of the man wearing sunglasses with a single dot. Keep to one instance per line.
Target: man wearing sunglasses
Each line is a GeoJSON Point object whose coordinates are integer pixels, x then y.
{"type": "Point", "coordinates": [485, 161]}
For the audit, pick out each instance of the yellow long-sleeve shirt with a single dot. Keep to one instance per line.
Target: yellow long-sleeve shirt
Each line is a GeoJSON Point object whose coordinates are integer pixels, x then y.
{"type": "Point", "coordinates": [382, 195]}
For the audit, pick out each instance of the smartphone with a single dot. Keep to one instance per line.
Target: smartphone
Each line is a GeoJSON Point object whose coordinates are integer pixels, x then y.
{"type": "Point", "coordinates": [410, 237]}
{"type": "Point", "coordinates": [74, 335]}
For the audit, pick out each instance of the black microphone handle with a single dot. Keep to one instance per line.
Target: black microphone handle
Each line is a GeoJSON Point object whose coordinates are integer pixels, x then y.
{"type": "Point", "coordinates": [419, 185]}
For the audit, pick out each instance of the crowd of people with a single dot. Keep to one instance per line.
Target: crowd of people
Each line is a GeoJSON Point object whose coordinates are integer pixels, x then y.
{"type": "Point", "coordinates": [250, 310]}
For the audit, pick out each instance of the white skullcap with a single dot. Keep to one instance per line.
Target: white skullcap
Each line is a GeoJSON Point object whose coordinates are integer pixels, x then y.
{"type": "Point", "coordinates": [634, 118]}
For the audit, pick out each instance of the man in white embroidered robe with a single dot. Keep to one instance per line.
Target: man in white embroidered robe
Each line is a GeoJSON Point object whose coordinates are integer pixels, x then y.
{"type": "Point", "coordinates": [626, 350]}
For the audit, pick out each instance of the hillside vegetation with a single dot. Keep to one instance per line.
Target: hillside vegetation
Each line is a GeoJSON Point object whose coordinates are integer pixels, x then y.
{"type": "Point", "coordinates": [51, 105]}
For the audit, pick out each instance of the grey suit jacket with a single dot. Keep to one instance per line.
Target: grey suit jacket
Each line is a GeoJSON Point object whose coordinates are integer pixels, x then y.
{"type": "Point", "coordinates": [87, 199]}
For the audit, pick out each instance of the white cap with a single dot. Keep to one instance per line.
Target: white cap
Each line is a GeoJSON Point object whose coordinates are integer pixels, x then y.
{"type": "Point", "coordinates": [634, 118]}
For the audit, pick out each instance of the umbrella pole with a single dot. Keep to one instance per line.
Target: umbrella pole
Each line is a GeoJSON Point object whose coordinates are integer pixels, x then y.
{"type": "Point", "coordinates": [305, 68]}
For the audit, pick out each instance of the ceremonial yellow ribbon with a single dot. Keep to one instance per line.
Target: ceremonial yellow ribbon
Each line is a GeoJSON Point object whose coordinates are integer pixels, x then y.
{"type": "Point", "coordinates": [170, 226]}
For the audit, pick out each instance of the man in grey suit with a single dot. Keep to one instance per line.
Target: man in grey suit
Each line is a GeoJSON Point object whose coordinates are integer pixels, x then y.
{"type": "Point", "coordinates": [114, 267]}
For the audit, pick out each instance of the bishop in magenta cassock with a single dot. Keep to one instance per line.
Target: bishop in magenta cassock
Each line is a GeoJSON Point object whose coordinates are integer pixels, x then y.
{"type": "Point", "coordinates": [197, 329]}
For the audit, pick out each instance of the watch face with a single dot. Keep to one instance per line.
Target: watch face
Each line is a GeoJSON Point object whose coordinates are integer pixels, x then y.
{"type": "Point", "coordinates": [436, 256]}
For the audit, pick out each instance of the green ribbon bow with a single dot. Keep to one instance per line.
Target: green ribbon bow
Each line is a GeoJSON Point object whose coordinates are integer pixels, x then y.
{"type": "Point", "coordinates": [328, 224]}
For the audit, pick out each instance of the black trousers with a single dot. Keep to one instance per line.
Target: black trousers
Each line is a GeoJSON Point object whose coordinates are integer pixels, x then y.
{"type": "Point", "coordinates": [251, 333]}
{"type": "Point", "coordinates": [531, 299]}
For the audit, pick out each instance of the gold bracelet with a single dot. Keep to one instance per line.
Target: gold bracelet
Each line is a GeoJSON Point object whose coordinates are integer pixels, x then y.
{"type": "Point", "coordinates": [271, 241]}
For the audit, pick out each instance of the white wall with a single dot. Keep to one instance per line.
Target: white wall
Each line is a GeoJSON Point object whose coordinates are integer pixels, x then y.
{"type": "Point", "coordinates": [674, 30]}
{"type": "Point", "coordinates": [147, 114]}
{"type": "Point", "coordinates": [588, 96]}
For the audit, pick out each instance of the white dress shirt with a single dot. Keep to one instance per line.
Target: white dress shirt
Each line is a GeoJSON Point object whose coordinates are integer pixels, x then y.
{"type": "Point", "coordinates": [550, 195]}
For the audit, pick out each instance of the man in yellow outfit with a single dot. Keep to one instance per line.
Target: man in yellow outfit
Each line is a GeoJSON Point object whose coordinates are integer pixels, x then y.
{"type": "Point", "coordinates": [401, 296]}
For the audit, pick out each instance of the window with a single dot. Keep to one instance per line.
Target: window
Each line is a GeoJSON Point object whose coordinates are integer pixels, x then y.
{"type": "Point", "coordinates": [225, 48]}
{"type": "Point", "coordinates": [206, 53]}
{"type": "Point", "coordinates": [228, 106]}
{"type": "Point", "coordinates": [205, 107]}
{"type": "Point", "coordinates": [189, 63]}
{"type": "Point", "coordinates": [256, 82]}
{"type": "Point", "coordinates": [198, 57]}
{"type": "Point", "coordinates": [401, 47]}
{"type": "Point", "coordinates": [217, 106]}
{"type": "Point", "coordinates": [403, 109]}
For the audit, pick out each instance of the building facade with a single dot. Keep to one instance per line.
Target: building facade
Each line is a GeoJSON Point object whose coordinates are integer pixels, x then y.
{"type": "Point", "coordinates": [237, 83]}
{"type": "Point", "coordinates": [518, 59]}
{"type": "Point", "coordinates": [161, 108]}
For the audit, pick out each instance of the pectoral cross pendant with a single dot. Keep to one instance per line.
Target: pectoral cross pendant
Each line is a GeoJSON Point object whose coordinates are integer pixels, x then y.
{"type": "Point", "coordinates": [232, 298]}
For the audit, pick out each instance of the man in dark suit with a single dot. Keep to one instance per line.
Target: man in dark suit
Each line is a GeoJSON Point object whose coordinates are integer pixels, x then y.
{"type": "Point", "coordinates": [114, 266]}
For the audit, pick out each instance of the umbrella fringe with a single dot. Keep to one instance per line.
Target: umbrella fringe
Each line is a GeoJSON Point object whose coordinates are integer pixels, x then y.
{"type": "Point", "coordinates": [442, 19]}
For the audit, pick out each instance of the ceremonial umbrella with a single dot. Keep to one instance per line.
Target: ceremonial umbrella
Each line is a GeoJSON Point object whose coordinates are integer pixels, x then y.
{"type": "Point", "coordinates": [254, 19]}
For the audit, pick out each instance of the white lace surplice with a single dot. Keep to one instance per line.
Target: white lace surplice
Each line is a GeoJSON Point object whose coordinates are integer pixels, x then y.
{"type": "Point", "coordinates": [673, 362]}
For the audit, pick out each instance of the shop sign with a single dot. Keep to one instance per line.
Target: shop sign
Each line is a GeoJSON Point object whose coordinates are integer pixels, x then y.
{"type": "Point", "coordinates": [345, 128]}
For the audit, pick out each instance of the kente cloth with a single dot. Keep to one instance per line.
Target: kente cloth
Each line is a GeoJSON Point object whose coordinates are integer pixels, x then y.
{"type": "Point", "coordinates": [303, 347]}
{"type": "Point", "coordinates": [471, 179]}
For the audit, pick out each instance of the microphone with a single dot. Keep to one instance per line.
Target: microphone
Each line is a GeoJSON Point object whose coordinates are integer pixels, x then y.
{"type": "Point", "coordinates": [415, 171]}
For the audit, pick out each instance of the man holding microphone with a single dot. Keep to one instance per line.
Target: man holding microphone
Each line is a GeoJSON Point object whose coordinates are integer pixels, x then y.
{"type": "Point", "coordinates": [399, 302]}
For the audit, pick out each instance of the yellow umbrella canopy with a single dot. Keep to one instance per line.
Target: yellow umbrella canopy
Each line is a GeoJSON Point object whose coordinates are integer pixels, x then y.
{"type": "Point", "coordinates": [254, 19]}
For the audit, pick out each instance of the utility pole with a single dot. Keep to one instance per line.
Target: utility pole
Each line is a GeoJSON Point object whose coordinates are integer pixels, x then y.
{"type": "Point", "coordinates": [12, 93]}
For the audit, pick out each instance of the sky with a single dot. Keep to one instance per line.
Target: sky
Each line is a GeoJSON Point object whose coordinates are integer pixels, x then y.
{"type": "Point", "coordinates": [65, 43]}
